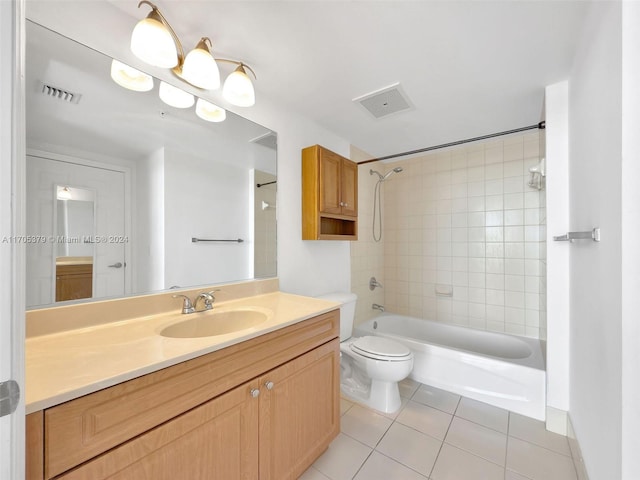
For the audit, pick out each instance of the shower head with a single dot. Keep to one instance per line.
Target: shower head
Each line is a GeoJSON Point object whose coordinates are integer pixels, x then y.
{"type": "Point", "coordinates": [381, 177]}
{"type": "Point", "coordinates": [395, 170]}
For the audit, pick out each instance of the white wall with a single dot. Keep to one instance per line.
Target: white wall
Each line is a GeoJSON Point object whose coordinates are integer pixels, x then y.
{"type": "Point", "coordinates": [304, 267]}
{"type": "Point", "coordinates": [149, 228]}
{"type": "Point", "coordinates": [215, 208]}
{"type": "Point", "coordinates": [557, 165]}
{"type": "Point", "coordinates": [595, 184]}
{"type": "Point", "coordinates": [630, 235]}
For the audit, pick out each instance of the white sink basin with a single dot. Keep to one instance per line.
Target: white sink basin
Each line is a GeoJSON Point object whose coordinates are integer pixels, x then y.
{"type": "Point", "coordinates": [215, 322]}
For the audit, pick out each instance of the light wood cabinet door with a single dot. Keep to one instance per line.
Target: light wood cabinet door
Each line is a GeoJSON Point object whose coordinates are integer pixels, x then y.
{"type": "Point", "coordinates": [215, 441]}
{"type": "Point", "coordinates": [349, 188]}
{"type": "Point", "coordinates": [330, 179]}
{"type": "Point", "coordinates": [299, 412]}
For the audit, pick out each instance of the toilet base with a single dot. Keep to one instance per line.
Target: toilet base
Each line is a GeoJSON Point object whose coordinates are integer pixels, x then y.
{"type": "Point", "coordinates": [383, 396]}
{"type": "Point", "coordinates": [380, 395]}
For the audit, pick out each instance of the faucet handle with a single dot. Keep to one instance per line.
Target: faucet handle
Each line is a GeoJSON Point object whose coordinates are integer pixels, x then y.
{"type": "Point", "coordinates": [211, 293]}
{"type": "Point", "coordinates": [187, 307]}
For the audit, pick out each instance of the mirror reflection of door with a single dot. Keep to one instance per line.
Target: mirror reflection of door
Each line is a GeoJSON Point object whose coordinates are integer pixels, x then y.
{"type": "Point", "coordinates": [75, 231]}
{"type": "Point", "coordinates": [61, 235]}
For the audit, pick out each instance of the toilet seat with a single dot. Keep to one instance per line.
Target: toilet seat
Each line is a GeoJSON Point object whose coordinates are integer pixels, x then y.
{"type": "Point", "coordinates": [378, 348]}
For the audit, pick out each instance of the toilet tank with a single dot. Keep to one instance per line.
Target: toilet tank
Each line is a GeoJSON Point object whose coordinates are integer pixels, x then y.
{"type": "Point", "coordinates": [347, 311]}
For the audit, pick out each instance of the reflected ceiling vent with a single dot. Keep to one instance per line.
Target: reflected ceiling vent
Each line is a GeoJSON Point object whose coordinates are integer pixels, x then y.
{"type": "Point", "coordinates": [386, 101]}
{"type": "Point", "coordinates": [269, 140]}
{"type": "Point", "coordinates": [59, 93]}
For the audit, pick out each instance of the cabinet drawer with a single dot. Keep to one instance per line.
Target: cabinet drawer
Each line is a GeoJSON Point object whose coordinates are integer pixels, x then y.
{"type": "Point", "coordinates": [83, 428]}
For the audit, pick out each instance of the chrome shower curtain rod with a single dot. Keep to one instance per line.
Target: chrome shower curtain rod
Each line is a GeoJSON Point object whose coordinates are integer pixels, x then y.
{"type": "Point", "coordinates": [539, 126]}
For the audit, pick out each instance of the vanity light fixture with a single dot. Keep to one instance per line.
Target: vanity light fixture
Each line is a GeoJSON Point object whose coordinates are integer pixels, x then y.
{"type": "Point", "coordinates": [210, 112]}
{"type": "Point", "coordinates": [130, 78]}
{"type": "Point", "coordinates": [238, 89]}
{"type": "Point", "coordinates": [64, 193]}
{"type": "Point", "coordinates": [174, 96]}
{"type": "Point", "coordinates": [155, 42]}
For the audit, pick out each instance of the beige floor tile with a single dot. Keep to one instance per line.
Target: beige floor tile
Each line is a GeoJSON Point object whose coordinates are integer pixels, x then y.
{"type": "Point", "coordinates": [436, 398]}
{"type": "Point", "coordinates": [345, 405]}
{"type": "Point", "coordinates": [365, 425]}
{"type": "Point", "coordinates": [426, 419]}
{"type": "Point", "coordinates": [379, 467]}
{"type": "Point", "coordinates": [312, 474]}
{"type": "Point", "coordinates": [538, 463]}
{"type": "Point", "coordinates": [479, 440]}
{"type": "Point", "coordinates": [410, 447]}
{"type": "Point", "coordinates": [483, 414]}
{"type": "Point", "coordinates": [408, 387]}
{"type": "Point", "coordinates": [509, 475]}
{"type": "Point", "coordinates": [534, 431]}
{"type": "Point", "coordinates": [456, 464]}
{"type": "Point", "coordinates": [343, 458]}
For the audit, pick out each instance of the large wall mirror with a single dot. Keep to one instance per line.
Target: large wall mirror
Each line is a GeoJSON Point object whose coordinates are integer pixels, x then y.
{"type": "Point", "coordinates": [127, 195]}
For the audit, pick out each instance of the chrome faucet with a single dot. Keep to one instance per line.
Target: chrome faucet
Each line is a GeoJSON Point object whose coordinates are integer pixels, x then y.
{"type": "Point", "coordinates": [208, 299]}
{"type": "Point", "coordinates": [189, 307]}
{"type": "Point", "coordinates": [375, 306]}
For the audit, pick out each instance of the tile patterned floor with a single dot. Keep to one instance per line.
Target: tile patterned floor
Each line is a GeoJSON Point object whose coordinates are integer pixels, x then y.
{"type": "Point", "coordinates": [437, 435]}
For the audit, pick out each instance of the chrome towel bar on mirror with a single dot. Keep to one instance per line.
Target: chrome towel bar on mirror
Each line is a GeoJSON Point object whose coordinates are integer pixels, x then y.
{"type": "Point", "coordinates": [234, 240]}
{"type": "Point", "coordinates": [571, 236]}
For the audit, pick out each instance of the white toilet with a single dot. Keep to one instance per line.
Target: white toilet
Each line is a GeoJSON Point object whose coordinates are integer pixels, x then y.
{"type": "Point", "coordinates": [370, 367]}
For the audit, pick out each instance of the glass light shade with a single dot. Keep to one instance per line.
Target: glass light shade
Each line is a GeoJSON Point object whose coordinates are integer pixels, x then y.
{"type": "Point", "coordinates": [130, 78]}
{"type": "Point", "coordinates": [201, 70]}
{"type": "Point", "coordinates": [152, 43]}
{"type": "Point", "coordinates": [210, 112]}
{"type": "Point", "coordinates": [174, 96]}
{"type": "Point", "coordinates": [238, 89]}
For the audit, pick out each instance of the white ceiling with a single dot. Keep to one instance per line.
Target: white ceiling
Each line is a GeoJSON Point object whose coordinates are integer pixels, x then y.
{"type": "Point", "coordinates": [470, 68]}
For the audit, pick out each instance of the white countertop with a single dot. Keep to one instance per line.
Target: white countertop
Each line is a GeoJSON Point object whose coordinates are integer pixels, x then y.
{"type": "Point", "coordinates": [66, 365]}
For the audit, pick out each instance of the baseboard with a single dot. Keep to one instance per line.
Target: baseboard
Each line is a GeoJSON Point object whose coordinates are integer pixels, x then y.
{"type": "Point", "coordinates": [576, 453]}
{"type": "Point", "coordinates": [556, 421]}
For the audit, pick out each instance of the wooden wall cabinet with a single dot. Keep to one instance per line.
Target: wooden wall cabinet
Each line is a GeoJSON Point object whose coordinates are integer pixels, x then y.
{"type": "Point", "coordinates": [329, 195]}
{"type": "Point", "coordinates": [271, 408]}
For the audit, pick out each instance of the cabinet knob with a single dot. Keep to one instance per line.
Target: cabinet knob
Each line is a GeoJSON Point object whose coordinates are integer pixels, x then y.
{"type": "Point", "coordinates": [342, 204]}
{"type": "Point", "coordinates": [345, 204]}
{"type": "Point", "coordinates": [269, 385]}
{"type": "Point", "coordinates": [255, 392]}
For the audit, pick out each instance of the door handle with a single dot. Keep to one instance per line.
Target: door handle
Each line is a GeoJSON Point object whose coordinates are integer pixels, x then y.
{"type": "Point", "coordinates": [116, 265]}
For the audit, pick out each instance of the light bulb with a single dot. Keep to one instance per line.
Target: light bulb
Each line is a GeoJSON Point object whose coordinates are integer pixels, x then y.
{"type": "Point", "coordinates": [200, 69]}
{"type": "Point", "coordinates": [152, 43]}
{"type": "Point", "coordinates": [174, 96]}
{"type": "Point", "coordinates": [210, 112]}
{"type": "Point", "coordinates": [64, 193]}
{"type": "Point", "coordinates": [130, 78]}
{"type": "Point", "coordinates": [238, 89]}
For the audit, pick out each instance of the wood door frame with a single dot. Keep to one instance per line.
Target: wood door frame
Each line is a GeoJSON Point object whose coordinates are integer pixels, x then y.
{"type": "Point", "coordinates": [127, 172]}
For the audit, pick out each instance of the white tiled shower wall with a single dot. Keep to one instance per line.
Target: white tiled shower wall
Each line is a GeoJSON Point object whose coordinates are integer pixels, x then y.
{"type": "Point", "coordinates": [465, 221]}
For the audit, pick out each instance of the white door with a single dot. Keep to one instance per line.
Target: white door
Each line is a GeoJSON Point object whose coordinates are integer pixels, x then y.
{"type": "Point", "coordinates": [11, 251]}
{"type": "Point", "coordinates": [109, 240]}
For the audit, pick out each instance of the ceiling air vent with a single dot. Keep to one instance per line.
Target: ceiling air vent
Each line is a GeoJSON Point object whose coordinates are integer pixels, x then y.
{"type": "Point", "coordinates": [385, 102]}
{"type": "Point", "coordinates": [269, 140]}
{"type": "Point", "coordinates": [60, 93]}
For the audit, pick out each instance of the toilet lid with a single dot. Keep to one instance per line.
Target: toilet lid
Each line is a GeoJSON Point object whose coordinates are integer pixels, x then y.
{"type": "Point", "coordinates": [380, 347]}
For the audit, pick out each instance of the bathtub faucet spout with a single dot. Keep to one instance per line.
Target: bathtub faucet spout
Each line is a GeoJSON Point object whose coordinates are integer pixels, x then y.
{"type": "Point", "coordinates": [375, 306]}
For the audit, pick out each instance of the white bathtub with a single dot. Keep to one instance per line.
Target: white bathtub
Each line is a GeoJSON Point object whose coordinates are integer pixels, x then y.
{"type": "Point", "coordinates": [503, 370]}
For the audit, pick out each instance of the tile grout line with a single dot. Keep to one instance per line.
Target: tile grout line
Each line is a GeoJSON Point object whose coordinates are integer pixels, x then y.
{"type": "Point", "coordinates": [443, 439]}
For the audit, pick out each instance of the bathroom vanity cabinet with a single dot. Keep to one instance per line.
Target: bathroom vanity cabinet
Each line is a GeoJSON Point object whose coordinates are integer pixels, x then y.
{"type": "Point", "coordinates": [262, 409]}
{"type": "Point", "coordinates": [329, 195]}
